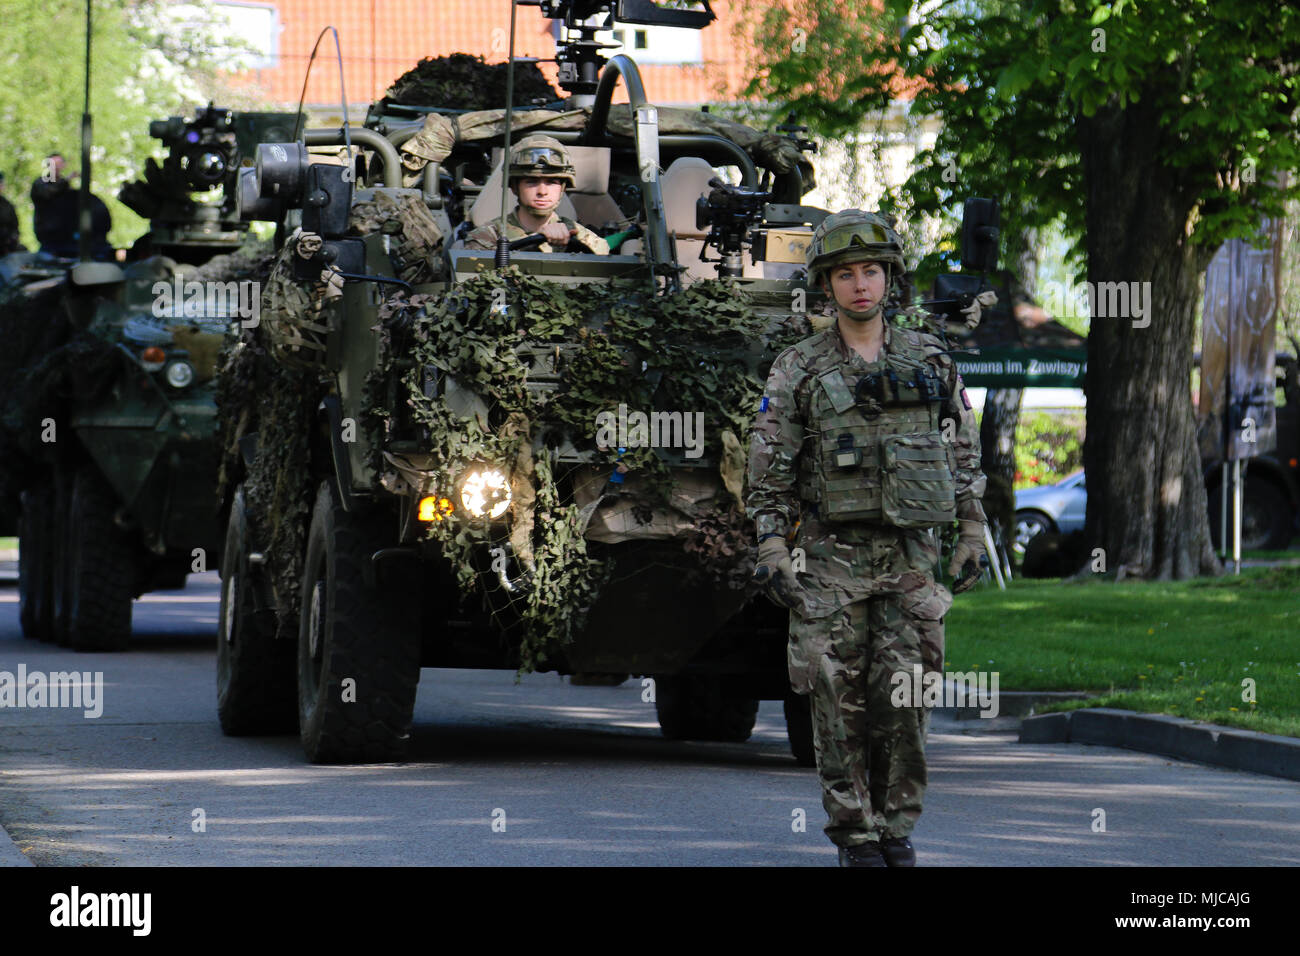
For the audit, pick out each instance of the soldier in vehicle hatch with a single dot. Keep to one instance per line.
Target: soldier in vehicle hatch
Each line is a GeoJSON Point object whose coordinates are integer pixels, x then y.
{"type": "Point", "coordinates": [9, 241]}
{"type": "Point", "coordinates": [539, 170]}
{"type": "Point", "coordinates": [56, 211]}
{"type": "Point", "coordinates": [864, 443]}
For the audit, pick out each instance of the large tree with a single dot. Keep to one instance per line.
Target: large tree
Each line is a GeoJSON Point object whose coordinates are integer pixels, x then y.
{"type": "Point", "coordinates": [1153, 130]}
{"type": "Point", "coordinates": [151, 59]}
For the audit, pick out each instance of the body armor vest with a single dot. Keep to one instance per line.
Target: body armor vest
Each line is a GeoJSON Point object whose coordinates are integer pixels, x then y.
{"type": "Point", "coordinates": [873, 451]}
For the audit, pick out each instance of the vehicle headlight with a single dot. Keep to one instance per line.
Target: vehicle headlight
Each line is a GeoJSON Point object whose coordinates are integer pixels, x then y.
{"type": "Point", "coordinates": [179, 374]}
{"type": "Point", "coordinates": [433, 508]}
{"type": "Point", "coordinates": [485, 492]}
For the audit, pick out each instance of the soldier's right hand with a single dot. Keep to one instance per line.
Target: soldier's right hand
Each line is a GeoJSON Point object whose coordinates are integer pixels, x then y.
{"type": "Point", "coordinates": [556, 233]}
{"type": "Point", "coordinates": [774, 572]}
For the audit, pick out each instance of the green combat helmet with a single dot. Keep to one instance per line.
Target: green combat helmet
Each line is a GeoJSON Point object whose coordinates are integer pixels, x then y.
{"type": "Point", "coordinates": [853, 236]}
{"type": "Point", "coordinates": [541, 156]}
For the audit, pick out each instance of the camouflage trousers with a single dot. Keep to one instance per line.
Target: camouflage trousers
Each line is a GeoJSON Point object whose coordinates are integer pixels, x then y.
{"type": "Point", "coordinates": [874, 611]}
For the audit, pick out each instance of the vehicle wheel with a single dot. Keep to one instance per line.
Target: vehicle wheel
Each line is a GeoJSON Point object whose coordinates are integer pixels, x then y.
{"type": "Point", "coordinates": [358, 646]}
{"type": "Point", "coordinates": [799, 729]}
{"type": "Point", "coordinates": [59, 566]}
{"type": "Point", "coordinates": [101, 563]}
{"type": "Point", "coordinates": [1267, 518]}
{"type": "Point", "coordinates": [255, 672]}
{"type": "Point", "coordinates": [36, 564]}
{"type": "Point", "coordinates": [694, 707]}
{"type": "Point", "coordinates": [1029, 524]}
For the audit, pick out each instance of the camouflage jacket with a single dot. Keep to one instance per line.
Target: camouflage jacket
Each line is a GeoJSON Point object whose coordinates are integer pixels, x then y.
{"type": "Point", "coordinates": [784, 431]}
{"type": "Point", "coordinates": [485, 236]}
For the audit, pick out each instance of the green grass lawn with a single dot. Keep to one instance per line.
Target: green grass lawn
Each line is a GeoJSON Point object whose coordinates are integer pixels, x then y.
{"type": "Point", "coordinates": [8, 544]}
{"type": "Point", "coordinates": [1181, 648]}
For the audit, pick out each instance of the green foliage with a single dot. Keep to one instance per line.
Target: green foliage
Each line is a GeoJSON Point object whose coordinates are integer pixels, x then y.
{"type": "Point", "coordinates": [1049, 447]}
{"type": "Point", "coordinates": [1013, 81]}
{"type": "Point", "coordinates": [147, 64]}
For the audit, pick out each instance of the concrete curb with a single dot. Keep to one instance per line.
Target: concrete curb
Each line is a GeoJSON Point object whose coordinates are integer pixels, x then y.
{"type": "Point", "coordinates": [10, 855]}
{"type": "Point", "coordinates": [1220, 746]}
{"type": "Point", "coordinates": [1013, 703]}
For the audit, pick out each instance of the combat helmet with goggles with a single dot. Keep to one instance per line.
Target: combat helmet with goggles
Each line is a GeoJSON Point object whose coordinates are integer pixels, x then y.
{"type": "Point", "coordinates": [537, 156]}
{"type": "Point", "coordinates": [853, 236]}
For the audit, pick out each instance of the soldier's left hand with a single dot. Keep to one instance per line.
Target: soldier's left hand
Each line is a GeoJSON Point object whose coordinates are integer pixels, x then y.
{"type": "Point", "coordinates": [774, 572]}
{"type": "Point", "coordinates": [965, 565]}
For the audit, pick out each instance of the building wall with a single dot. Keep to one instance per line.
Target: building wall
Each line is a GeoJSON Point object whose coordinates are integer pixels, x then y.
{"type": "Point", "coordinates": [382, 39]}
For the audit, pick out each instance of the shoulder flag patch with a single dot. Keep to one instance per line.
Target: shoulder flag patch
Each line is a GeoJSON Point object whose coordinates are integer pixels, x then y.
{"type": "Point", "coordinates": [763, 406]}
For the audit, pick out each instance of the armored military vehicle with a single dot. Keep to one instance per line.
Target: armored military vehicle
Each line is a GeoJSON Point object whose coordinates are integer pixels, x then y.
{"type": "Point", "coordinates": [446, 457]}
{"type": "Point", "coordinates": [109, 409]}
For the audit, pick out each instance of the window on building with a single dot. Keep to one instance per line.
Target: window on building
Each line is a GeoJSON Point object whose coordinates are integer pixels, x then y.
{"type": "Point", "coordinates": [652, 44]}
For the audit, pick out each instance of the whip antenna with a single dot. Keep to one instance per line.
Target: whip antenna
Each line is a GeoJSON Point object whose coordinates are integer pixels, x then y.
{"type": "Point", "coordinates": [343, 93]}
{"type": "Point", "coordinates": [83, 199]}
{"type": "Point", "coordinates": [503, 244]}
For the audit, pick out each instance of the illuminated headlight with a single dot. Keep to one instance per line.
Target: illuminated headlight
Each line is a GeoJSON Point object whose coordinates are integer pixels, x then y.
{"type": "Point", "coordinates": [179, 374]}
{"type": "Point", "coordinates": [433, 508]}
{"type": "Point", "coordinates": [485, 492]}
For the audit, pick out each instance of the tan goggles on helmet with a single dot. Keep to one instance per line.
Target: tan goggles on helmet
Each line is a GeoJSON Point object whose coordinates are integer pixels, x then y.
{"type": "Point", "coordinates": [541, 156]}
{"type": "Point", "coordinates": [861, 235]}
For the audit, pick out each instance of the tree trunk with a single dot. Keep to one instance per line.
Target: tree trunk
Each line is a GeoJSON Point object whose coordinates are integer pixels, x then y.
{"type": "Point", "coordinates": [1001, 413]}
{"type": "Point", "coordinates": [1146, 497]}
{"type": "Point", "coordinates": [998, 456]}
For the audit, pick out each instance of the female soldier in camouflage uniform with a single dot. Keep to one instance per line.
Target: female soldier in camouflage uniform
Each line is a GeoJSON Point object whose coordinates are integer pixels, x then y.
{"type": "Point", "coordinates": [863, 445]}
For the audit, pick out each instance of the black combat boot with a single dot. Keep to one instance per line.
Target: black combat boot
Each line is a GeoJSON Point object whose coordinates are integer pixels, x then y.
{"type": "Point", "coordinates": [864, 854]}
{"type": "Point", "coordinates": [898, 851]}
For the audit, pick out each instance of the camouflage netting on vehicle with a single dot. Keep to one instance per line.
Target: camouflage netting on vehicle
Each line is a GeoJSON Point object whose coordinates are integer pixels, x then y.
{"type": "Point", "coordinates": [292, 310]}
{"type": "Point", "coordinates": [415, 241]}
{"type": "Point", "coordinates": [613, 344]}
{"type": "Point", "coordinates": [256, 394]}
{"type": "Point", "coordinates": [468, 81]}
{"type": "Point", "coordinates": [441, 132]}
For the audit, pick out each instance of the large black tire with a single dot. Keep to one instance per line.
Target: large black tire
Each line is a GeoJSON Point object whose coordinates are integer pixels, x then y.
{"type": "Point", "coordinates": [695, 707]}
{"type": "Point", "coordinates": [799, 729]}
{"type": "Point", "coordinates": [351, 631]}
{"type": "Point", "coordinates": [255, 672]}
{"type": "Point", "coordinates": [60, 572]}
{"type": "Point", "coordinates": [36, 564]}
{"type": "Point", "coordinates": [101, 568]}
{"type": "Point", "coordinates": [1267, 518]}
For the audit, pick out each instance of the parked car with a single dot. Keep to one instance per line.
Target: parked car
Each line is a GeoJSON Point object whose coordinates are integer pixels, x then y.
{"type": "Point", "coordinates": [1059, 508]}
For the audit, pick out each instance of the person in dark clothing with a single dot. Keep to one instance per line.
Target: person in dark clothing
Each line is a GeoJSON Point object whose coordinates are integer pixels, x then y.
{"type": "Point", "coordinates": [9, 241]}
{"type": "Point", "coordinates": [55, 219]}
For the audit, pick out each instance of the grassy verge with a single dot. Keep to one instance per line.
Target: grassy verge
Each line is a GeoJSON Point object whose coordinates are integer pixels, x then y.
{"type": "Point", "coordinates": [1181, 648]}
{"type": "Point", "coordinates": [8, 544]}
{"type": "Point", "coordinates": [1291, 554]}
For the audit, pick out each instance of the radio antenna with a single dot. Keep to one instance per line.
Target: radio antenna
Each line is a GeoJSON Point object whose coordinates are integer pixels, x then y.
{"type": "Point", "coordinates": [503, 244]}
{"type": "Point", "coordinates": [83, 199]}
{"type": "Point", "coordinates": [343, 94]}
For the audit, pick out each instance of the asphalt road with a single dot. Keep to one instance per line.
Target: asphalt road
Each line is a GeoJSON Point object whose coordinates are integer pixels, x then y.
{"type": "Point", "coordinates": [546, 773]}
